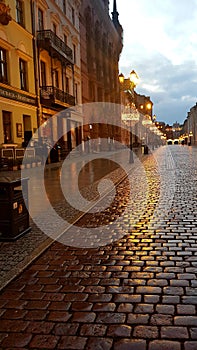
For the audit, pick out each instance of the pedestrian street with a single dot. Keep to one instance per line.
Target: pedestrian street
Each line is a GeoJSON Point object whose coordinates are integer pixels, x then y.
{"type": "Point", "coordinates": [121, 277]}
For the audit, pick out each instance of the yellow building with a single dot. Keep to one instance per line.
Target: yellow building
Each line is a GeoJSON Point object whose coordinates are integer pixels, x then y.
{"type": "Point", "coordinates": [18, 110]}
{"type": "Point", "coordinates": [57, 46]}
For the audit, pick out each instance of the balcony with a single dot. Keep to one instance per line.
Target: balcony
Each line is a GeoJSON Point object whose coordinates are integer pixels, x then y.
{"type": "Point", "coordinates": [49, 41]}
{"type": "Point", "coordinates": [51, 96]}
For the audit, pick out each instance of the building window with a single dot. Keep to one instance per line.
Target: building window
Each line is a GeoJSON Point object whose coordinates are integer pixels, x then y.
{"type": "Point", "coordinates": [23, 74]}
{"type": "Point", "coordinates": [43, 73]}
{"type": "Point", "coordinates": [3, 66]}
{"type": "Point", "coordinates": [40, 20]}
{"type": "Point", "coordinates": [74, 53]}
{"type": "Point", "coordinates": [56, 78]}
{"type": "Point", "coordinates": [65, 39]}
{"type": "Point", "coordinates": [7, 126]}
{"type": "Point", "coordinates": [73, 16]}
{"type": "Point", "coordinates": [54, 28]}
{"type": "Point", "coordinates": [20, 12]}
{"type": "Point", "coordinates": [76, 93]}
{"type": "Point", "coordinates": [67, 85]}
{"type": "Point", "coordinates": [64, 6]}
{"type": "Point", "coordinates": [91, 91]}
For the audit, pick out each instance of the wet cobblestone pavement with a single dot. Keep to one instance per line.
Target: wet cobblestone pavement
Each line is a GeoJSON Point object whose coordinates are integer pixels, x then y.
{"type": "Point", "coordinates": [15, 256]}
{"type": "Point", "coordinates": [137, 293]}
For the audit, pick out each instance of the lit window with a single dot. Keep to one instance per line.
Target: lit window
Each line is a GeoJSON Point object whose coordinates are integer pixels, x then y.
{"type": "Point", "coordinates": [7, 126]}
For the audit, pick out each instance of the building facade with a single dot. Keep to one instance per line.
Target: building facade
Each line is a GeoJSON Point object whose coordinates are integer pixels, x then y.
{"type": "Point", "coordinates": [144, 104]}
{"type": "Point", "coordinates": [189, 130]}
{"type": "Point", "coordinates": [101, 45]}
{"type": "Point", "coordinates": [18, 117]}
{"type": "Point", "coordinates": [55, 56]}
{"type": "Point", "coordinates": [57, 51]}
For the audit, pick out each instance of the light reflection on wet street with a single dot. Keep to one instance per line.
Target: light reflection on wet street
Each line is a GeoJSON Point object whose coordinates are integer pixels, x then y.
{"type": "Point", "coordinates": [138, 292]}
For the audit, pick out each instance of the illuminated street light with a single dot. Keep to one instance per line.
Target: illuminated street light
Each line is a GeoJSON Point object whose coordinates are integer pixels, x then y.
{"type": "Point", "coordinates": [148, 106]}
{"type": "Point", "coordinates": [121, 78]}
{"type": "Point", "coordinates": [190, 138]}
{"type": "Point", "coordinates": [134, 78]}
{"type": "Point", "coordinates": [128, 85]}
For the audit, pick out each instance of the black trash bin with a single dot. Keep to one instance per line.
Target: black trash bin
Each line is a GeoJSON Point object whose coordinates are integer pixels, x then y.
{"type": "Point", "coordinates": [145, 149]}
{"type": "Point", "coordinates": [14, 215]}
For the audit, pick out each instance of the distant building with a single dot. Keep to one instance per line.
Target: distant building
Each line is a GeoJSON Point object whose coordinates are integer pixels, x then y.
{"type": "Point", "coordinates": [190, 126]}
{"type": "Point", "coordinates": [169, 132]}
{"type": "Point", "coordinates": [144, 104]}
{"type": "Point", "coordinates": [176, 128]}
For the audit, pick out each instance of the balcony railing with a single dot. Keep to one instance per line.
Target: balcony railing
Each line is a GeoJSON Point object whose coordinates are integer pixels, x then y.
{"type": "Point", "coordinates": [48, 39]}
{"type": "Point", "coordinates": [51, 94]}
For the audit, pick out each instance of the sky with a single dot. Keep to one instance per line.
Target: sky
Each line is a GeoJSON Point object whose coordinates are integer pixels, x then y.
{"type": "Point", "coordinates": [160, 44]}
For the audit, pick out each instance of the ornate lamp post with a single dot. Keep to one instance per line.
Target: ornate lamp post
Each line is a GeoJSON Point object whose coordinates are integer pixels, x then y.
{"type": "Point", "coordinates": [127, 86]}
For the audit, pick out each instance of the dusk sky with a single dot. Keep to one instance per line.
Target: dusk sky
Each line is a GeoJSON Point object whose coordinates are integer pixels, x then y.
{"type": "Point", "coordinates": [160, 44]}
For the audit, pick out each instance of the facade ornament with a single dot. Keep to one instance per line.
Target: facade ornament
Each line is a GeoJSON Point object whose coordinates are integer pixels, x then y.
{"type": "Point", "coordinates": [5, 17]}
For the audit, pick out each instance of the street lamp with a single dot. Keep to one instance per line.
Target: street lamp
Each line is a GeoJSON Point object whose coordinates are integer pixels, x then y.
{"type": "Point", "coordinates": [121, 78]}
{"type": "Point", "coordinates": [134, 78]}
{"type": "Point", "coordinates": [190, 138]}
{"type": "Point", "coordinates": [148, 106]}
{"type": "Point", "coordinates": [128, 85]}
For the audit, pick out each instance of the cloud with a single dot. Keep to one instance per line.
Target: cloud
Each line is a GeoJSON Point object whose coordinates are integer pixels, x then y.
{"type": "Point", "coordinates": [160, 43]}
{"type": "Point", "coordinates": [172, 88]}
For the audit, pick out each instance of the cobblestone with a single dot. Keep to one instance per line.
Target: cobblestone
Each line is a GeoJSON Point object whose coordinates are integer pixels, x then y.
{"type": "Point", "coordinates": [130, 344]}
{"type": "Point", "coordinates": [190, 345]}
{"type": "Point", "coordinates": [138, 292]}
{"type": "Point", "coordinates": [164, 345]}
{"type": "Point", "coordinates": [174, 332]}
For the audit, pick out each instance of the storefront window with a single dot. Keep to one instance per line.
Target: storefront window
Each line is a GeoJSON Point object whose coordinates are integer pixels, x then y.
{"type": "Point", "coordinates": [7, 126]}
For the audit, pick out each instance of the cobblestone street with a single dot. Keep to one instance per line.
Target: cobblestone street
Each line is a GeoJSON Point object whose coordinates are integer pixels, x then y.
{"type": "Point", "coordinates": [137, 293]}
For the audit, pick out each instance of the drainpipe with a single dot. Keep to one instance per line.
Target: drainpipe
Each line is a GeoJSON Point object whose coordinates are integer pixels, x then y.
{"type": "Point", "coordinates": [35, 59]}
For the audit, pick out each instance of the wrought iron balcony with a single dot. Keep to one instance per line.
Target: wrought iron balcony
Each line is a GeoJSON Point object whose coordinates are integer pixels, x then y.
{"type": "Point", "coordinates": [49, 41]}
{"type": "Point", "coordinates": [52, 95]}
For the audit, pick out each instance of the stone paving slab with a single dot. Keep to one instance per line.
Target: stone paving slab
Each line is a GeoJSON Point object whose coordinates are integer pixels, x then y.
{"type": "Point", "coordinates": [15, 256]}
{"type": "Point", "coordinates": [137, 293]}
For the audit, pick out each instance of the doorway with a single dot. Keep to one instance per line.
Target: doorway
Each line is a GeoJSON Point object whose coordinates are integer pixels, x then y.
{"type": "Point", "coordinates": [7, 126]}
